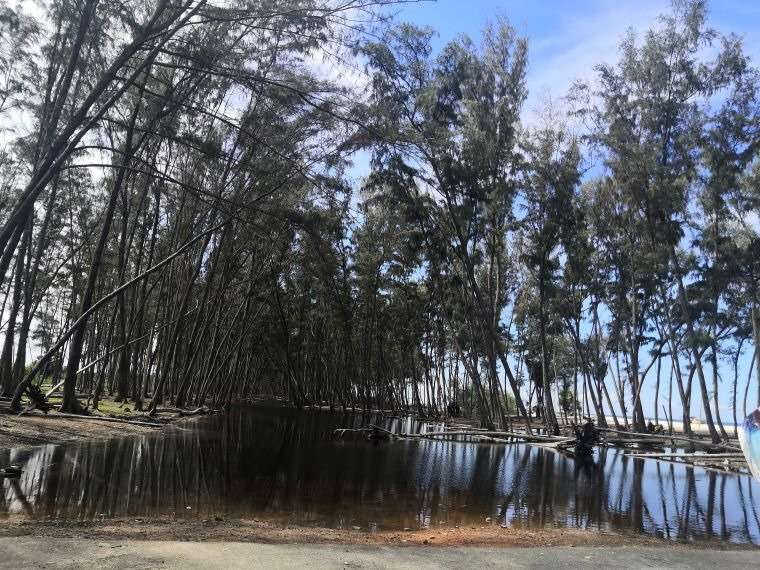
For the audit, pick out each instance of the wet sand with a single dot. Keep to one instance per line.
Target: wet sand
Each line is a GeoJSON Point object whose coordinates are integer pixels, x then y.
{"type": "Point", "coordinates": [277, 532]}
{"type": "Point", "coordinates": [258, 530]}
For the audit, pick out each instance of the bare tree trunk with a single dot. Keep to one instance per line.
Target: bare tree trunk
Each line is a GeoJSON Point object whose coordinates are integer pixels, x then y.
{"type": "Point", "coordinates": [6, 357]}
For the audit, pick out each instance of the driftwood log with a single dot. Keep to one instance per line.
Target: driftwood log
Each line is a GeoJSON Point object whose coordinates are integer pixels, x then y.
{"type": "Point", "coordinates": [503, 434]}
{"type": "Point", "coordinates": [102, 419]}
{"type": "Point", "coordinates": [182, 412]}
{"type": "Point", "coordinates": [690, 456]}
{"type": "Point", "coordinates": [666, 437]}
{"type": "Point", "coordinates": [586, 437]}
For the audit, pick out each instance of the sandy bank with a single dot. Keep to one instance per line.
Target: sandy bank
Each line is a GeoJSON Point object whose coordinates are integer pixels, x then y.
{"type": "Point", "coordinates": [33, 429]}
{"type": "Point", "coordinates": [78, 553]}
{"type": "Point", "coordinates": [255, 530]}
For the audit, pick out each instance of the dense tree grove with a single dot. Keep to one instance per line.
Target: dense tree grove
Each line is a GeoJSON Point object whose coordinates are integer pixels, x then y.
{"type": "Point", "coordinates": [178, 221]}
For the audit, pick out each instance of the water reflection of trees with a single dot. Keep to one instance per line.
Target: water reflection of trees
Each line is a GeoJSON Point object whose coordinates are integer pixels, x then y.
{"type": "Point", "coordinates": [289, 465]}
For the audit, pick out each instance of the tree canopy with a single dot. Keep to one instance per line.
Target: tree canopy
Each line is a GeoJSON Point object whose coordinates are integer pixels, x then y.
{"type": "Point", "coordinates": [179, 221]}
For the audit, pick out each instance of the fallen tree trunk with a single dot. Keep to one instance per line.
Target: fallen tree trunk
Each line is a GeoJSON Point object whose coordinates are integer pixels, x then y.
{"type": "Point", "coordinates": [104, 419]}
{"type": "Point", "coordinates": [53, 389]}
{"type": "Point", "coordinates": [562, 444]}
{"type": "Point", "coordinates": [505, 434]}
{"type": "Point", "coordinates": [666, 437]}
{"type": "Point", "coordinates": [722, 470]}
{"type": "Point", "coordinates": [690, 456]}
{"type": "Point", "coordinates": [632, 441]}
{"type": "Point", "coordinates": [183, 412]}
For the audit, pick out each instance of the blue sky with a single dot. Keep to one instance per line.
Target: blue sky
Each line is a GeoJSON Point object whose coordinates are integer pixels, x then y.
{"type": "Point", "coordinates": [566, 40]}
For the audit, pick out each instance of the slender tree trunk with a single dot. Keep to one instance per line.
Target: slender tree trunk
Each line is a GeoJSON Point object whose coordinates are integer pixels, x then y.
{"type": "Point", "coordinates": [550, 418]}
{"type": "Point", "coordinates": [31, 281]}
{"type": "Point", "coordinates": [6, 357]}
{"type": "Point", "coordinates": [69, 403]}
{"type": "Point", "coordinates": [694, 349]}
{"type": "Point", "coordinates": [657, 395]}
{"type": "Point", "coordinates": [714, 358]}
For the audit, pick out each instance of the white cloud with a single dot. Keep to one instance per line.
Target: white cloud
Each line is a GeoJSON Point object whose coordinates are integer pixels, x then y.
{"type": "Point", "coordinates": [556, 61]}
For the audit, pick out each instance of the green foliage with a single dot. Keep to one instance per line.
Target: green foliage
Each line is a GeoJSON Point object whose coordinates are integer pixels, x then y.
{"type": "Point", "coordinates": [474, 242]}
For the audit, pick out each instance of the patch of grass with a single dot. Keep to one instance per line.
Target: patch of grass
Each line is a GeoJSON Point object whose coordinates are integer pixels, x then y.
{"type": "Point", "coordinates": [108, 406]}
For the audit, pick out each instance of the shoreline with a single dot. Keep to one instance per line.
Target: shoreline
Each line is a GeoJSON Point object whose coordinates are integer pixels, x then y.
{"type": "Point", "coordinates": [137, 555]}
{"type": "Point", "coordinates": [698, 426]}
{"type": "Point", "coordinates": [269, 532]}
{"type": "Point", "coordinates": [36, 429]}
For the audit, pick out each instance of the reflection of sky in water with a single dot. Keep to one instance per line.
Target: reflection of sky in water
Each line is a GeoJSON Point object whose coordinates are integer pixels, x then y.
{"type": "Point", "coordinates": [288, 466]}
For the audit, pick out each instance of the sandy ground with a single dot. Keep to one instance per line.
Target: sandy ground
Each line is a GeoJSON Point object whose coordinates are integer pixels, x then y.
{"type": "Point", "coordinates": [697, 426]}
{"type": "Point", "coordinates": [31, 430]}
{"type": "Point", "coordinates": [266, 531]}
{"type": "Point", "coordinates": [81, 553]}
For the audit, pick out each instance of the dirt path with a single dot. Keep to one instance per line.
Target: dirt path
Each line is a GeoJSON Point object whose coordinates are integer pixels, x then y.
{"type": "Point", "coordinates": [82, 553]}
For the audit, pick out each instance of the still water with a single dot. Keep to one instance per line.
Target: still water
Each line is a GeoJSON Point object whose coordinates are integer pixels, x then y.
{"type": "Point", "coordinates": [286, 465]}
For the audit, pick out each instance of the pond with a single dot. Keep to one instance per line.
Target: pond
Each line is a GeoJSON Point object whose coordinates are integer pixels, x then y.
{"type": "Point", "coordinates": [280, 464]}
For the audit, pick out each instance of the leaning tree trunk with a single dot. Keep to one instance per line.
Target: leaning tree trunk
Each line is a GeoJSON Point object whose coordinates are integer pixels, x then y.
{"type": "Point", "coordinates": [31, 281]}
{"type": "Point", "coordinates": [6, 357]}
{"type": "Point", "coordinates": [714, 359]}
{"type": "Point", "coordinates": [70, 404]}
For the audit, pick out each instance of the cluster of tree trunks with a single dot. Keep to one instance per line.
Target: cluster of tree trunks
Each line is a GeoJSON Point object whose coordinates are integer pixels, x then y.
{"type": "Point", "coordinates": [177, 227]}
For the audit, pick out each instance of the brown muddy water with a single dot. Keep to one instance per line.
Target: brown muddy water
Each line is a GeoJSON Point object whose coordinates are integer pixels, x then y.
{"type": "Point", "coordinates": [275, 463]}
